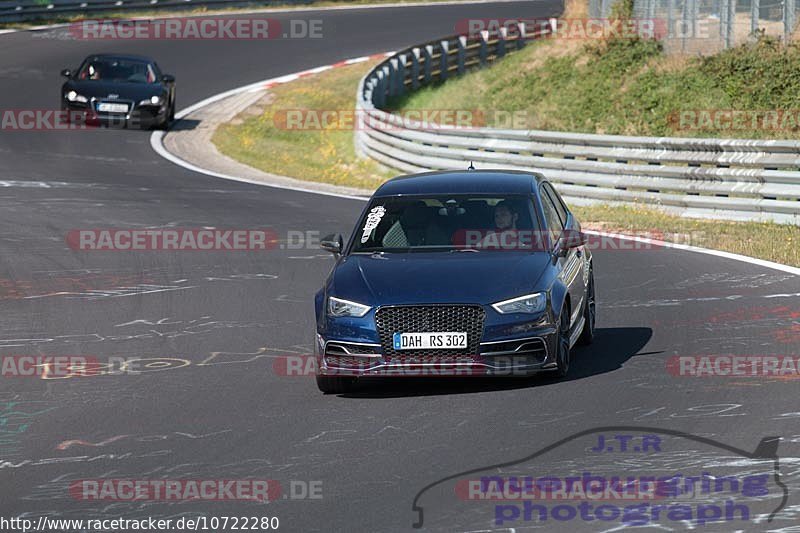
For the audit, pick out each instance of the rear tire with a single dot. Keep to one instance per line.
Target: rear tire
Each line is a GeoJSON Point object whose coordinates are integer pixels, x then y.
{"type": "Point", "coordinates": [589, 314]}
{"type": "Point", "coordinates": [335, 384]}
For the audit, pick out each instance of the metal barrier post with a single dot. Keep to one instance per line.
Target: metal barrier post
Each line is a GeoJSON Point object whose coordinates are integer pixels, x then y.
{"type": "Point", "coordinates": [443, 60]}
{"type": "Point", "coordinates": [427, 67]}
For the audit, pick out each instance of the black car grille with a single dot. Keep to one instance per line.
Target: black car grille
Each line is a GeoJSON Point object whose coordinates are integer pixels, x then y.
{"type": "Point", "coordinates": [533, 346]}
{"type": "Point", "coordinates": [430, 318]}
{"type": "Point", "coordinates": [349, 361]}
{"type": "Point", "coordinates": [523, 351]}
{"type": "Point", "coordinates": [348, 355]}
{"type": "Point", "coordinates": [430, 358]}
{"type": "Point", "coordinates": [347, 348]}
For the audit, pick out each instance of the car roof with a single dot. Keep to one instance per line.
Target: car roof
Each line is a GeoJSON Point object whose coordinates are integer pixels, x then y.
{"type": "Point", "coordinates": [462, 182]}
{"type": "Point", "coordinates": [132, 57]}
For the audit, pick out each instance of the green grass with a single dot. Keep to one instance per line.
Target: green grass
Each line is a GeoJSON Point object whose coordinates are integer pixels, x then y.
{"type": "Point", "coordinates": [628, 86]}
{"type": "Point", "coordinates": [773, 242]}
{"type": "Point", "coordinates": [324, 155]}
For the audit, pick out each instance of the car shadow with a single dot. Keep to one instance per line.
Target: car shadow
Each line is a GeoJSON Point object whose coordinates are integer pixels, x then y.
{"type": "Point", "coordinates": [184, 124]}
{"type": "Point", "coordinates": [611, 348]}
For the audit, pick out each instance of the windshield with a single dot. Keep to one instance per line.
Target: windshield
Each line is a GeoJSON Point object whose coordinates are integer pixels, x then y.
{"type": "Point", "coordinates": [454, 222]}
{"type": "Point", "coordinates": [118, 70]}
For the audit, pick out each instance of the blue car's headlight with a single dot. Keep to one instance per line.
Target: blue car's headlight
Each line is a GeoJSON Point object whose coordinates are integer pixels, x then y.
{"type": "Point", "coordinates": [338, 307]}
{"type": "Point", "coordinates": [530, 303]}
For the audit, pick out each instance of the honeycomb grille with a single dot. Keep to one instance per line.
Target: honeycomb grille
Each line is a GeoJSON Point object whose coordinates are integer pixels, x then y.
{"type": "Point", "coordinates": [428, 359]}
{"type": "Point", "coordinates": [428, 319]}
{"type": "Point", "coordinates": [533, 348]}
{"type": "Point", "coordinates": [348, 361]}
{"type": "Point", "coordinates": [346, 348]}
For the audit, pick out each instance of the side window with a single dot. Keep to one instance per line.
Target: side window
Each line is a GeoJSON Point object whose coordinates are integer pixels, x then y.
{"type": "Point", "coordinates": [554, 224]}
{"type": "Point", "coordinates": [557, 202]}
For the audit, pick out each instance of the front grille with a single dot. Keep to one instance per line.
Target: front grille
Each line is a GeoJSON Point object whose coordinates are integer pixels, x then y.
{"type": "Point", "coordinates": [528, 347]}
{"type": "Point", "coordinates": [347, 348]}
{"type": "Point", "coordinates": [517, 352]}
{"type": "Point", "coordinates": [430, 319]}
{"type": "Point", "coordinates": [348, 355]}
{"type": "Point", "coordinates": [429, 358]}
{"type": "Point", "coordinates": [348, 361]}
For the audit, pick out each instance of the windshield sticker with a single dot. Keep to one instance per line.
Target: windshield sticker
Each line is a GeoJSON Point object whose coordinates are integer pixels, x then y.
{"type": "Point", "coordinates": [373, 219]}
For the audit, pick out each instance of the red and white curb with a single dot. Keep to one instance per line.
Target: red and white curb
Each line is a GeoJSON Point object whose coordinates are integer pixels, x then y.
{"type": "Point", "coordinates": [311, 72]}
{"type": "Point", "coordinates": [157, 137]}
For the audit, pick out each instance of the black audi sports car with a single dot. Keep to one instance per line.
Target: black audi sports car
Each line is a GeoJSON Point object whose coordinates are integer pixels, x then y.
{"type": "Point", "coordinates": [456, 273]}
{"type": "Point", "coordinates": [120, 90]}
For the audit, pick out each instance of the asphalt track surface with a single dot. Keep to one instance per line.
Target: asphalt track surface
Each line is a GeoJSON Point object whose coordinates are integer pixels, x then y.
{"type": "Point", "coordinates": [227, 413]}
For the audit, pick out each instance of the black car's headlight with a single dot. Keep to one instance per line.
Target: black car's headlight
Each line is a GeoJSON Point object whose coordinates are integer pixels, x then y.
{"type": "Point", "coordinates": [339, 308]}
{"type": "Point", "coordinates": [73, 96]}
{"type": "Point", "coordinates": [530, 303]}
{"type": "Point", "coordinates": [153, 100]}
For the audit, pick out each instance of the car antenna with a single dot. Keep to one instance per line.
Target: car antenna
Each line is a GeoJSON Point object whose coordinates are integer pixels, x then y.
{"type": "Point", "coordinates": [471, 166]}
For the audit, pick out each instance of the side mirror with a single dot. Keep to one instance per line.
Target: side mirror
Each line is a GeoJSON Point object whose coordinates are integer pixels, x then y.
{"type": "Point", "coordinates": [570, 239]}
{"type": "Point", "coordinates": [168, 78]}
{"type": "Point", "coordinates": [332, 243]}
{"type": "Point", "coordinates": [67, 73]}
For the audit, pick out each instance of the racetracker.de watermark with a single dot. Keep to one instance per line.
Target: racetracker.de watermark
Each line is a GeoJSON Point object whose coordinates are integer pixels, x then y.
{"type": "Point", "coordinates": [565, 28]}
{"type": "Point", "coordinates": [416, 119]}
{"type": "Point", "coordinates": [172, 239]}
{"type": "Point", "coordinates": [735, 120]}
{"type": "Point", "coordinates": [197, 28]}
{"type": "Point", "coordinates": [734, 366]}
{"type": "Point", "coordinates": [263, 490]}
{"type": "Point", "coordinates": [43, 120]}
{"type": "Point", "coordinates": [42, 366]}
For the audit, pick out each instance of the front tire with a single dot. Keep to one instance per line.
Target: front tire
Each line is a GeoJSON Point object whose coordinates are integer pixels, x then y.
{"type": "Point", "coordinates": [589, 314]}
{"type": "Point", "coordinates": [563, 355]}
{"type": "Point", "coordinates": [335, 384]}
{"type": "Point", "coordinates": [164, 124]}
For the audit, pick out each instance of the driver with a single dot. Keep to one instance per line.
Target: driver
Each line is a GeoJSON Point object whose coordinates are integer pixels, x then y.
{"type": "Point", "coordinates": [505, 217]}
{"type": "Point", "coordinates": [94, 72]}
{"type": "Point", "coordinates": [504, 233]}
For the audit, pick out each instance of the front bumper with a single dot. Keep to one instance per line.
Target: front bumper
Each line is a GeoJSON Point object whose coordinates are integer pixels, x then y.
{"type": "Point", "coordinates": [139, 116]}
{"type": "Point", "coordinates": [509, 357]}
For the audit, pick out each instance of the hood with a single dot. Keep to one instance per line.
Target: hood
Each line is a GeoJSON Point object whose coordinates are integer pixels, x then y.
{"type": "Point", "coordinates": [126, 91]}
{"type": "Point", "coordinates": [419, 278]}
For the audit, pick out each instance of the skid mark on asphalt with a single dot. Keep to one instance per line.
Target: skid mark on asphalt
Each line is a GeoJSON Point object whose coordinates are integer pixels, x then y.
{"type": "Point", "coordinates": [141, 438]}
{"type": "Point", "coordinates": [93, 285]}
{"type": "Point", "coordinates": [16, 418]}
{"type": "Point", "coordinates": [672, 302]}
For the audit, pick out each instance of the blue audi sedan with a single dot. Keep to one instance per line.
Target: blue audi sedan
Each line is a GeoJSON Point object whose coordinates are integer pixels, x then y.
{"type": "Point", "coordinates": [457, 274]}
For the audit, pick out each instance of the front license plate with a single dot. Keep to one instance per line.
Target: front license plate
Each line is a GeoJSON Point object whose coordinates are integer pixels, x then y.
{"type": "Point", "coordinates": [429, 341]}
{"type": "Point", "coordinates": [112, 108]}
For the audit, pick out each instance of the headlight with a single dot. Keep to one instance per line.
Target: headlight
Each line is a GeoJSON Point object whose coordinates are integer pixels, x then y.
{"type": "Point", "coordinates": [72, 96]}
{"type": "Point", "coordinates": [338, 307]}
{"type": "Point", "coordinates": [153, 100]}
{"type": "Point", "coordinates": [530, 303]}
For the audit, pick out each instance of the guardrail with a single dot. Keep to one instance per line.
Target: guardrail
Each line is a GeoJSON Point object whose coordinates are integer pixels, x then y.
{"type": "Point", "coordinates": [709, 178]}
{"type": "Point", "coordinates": [26, 10]}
